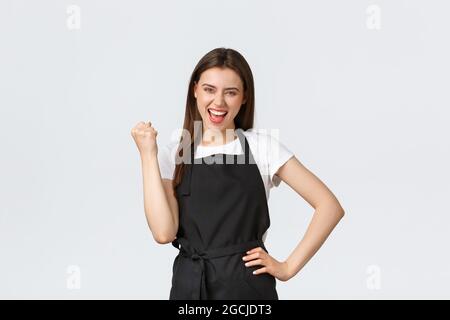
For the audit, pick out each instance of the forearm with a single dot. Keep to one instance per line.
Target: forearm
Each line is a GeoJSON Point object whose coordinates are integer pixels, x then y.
{"type": "Point", "coordinates": [324, 220]}
{"type": "Point", "coordinates": [157, 209]}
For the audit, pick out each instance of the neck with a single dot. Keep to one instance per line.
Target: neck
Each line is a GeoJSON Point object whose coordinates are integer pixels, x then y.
{"type": "Point", "coordinates": [216, 137]}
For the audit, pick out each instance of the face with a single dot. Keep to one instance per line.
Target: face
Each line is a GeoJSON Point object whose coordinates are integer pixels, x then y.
{"type": "Point", "coordinates": [220, 94]}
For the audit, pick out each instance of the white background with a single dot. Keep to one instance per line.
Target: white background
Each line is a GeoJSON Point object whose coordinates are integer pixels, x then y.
{"type": "Point", "coordinates": [364, 109]}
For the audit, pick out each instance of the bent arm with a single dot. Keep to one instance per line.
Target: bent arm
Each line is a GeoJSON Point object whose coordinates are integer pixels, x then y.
{"type": "Point", "coordinates": [328, 212]}
{"type": "Point", "coordinates": [160, 204]}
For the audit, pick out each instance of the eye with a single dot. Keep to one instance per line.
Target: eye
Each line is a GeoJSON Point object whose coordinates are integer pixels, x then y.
{"type": "Point", "coordinates": [232, 93]}
{"type": "Point", "coordinates": [208, 89]}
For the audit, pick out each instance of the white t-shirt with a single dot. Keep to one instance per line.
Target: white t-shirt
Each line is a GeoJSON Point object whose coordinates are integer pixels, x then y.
{"type": "Point", "coordinates": [268, 152]}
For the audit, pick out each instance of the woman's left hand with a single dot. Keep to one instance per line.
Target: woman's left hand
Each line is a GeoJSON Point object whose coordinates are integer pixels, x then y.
{"type": "Point", "coordinates": [258, 256]}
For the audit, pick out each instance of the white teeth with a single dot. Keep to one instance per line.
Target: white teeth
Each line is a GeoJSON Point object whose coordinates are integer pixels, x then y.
{"type": "Point", "coordinates": [217, 113]}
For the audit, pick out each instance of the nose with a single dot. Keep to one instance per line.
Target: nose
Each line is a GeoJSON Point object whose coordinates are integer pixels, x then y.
{"type": "Point", "coordinates": [219, 100]}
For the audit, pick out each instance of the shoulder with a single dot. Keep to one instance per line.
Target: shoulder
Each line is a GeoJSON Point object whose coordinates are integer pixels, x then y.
{"type": "Point", "coordinates": [257, 137]}
{"type": "Point", "coordinates": [264, 141]}
{"type": "Point", "coordinates": [269, 152]}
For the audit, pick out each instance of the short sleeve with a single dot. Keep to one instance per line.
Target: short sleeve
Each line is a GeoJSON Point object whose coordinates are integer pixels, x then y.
{"type": "Point", "coordinates": [166, 161]}
{"type": "Point", "coordinates": [277, 155]}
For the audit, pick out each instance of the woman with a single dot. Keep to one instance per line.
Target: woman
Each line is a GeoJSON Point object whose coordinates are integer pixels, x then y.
{"type": "Point", "coordinates": [210, 199]}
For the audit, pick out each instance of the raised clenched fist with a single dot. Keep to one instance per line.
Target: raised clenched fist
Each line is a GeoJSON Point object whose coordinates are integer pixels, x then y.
{"type": "Point", "coordinates": [145, 137]}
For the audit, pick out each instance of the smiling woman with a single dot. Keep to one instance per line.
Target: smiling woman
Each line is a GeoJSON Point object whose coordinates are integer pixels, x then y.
{"type": "Point", "coordinates": [216, 212]}
{"type": "Point", "coordinates": [221, 93]}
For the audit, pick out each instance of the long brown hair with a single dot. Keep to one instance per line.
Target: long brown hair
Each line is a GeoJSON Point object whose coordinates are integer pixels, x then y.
{"type": "Point", "coordinates": [223, 58]}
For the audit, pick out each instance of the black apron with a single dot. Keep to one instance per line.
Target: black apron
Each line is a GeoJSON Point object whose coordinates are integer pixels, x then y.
{"type": "Point", "coordinates": [223, 213]}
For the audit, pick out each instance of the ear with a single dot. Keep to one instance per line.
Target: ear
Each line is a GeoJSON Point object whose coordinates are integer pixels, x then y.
{"type": "Point", "coordinates": [195, 89]}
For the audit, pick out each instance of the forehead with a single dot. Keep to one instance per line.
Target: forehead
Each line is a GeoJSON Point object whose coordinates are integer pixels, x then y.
{"type": "Point", "coordinates": [221, 77]}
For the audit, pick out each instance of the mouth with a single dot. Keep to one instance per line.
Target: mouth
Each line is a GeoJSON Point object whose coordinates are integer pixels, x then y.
{"type": "Point", "coordinates": [216, 115]}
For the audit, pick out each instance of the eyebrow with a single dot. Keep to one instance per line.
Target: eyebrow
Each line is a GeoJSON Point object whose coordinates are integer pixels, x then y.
{"type": "Point", "coordinates": [210, 85]}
